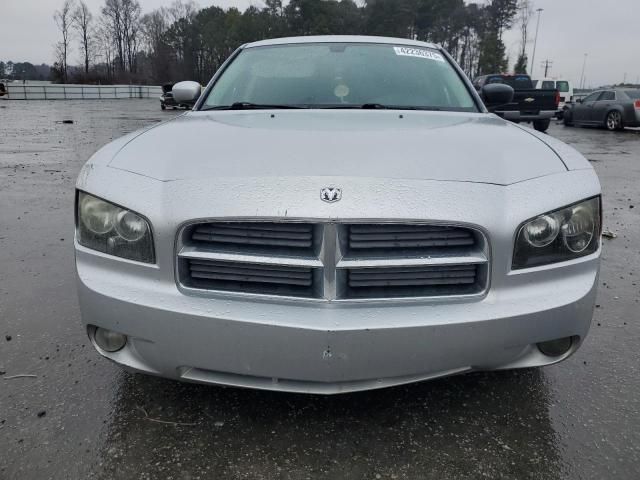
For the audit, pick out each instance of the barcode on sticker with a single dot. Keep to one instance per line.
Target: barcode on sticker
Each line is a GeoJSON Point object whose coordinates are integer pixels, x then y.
{"type": "Point", "coordinates": [418, 52]}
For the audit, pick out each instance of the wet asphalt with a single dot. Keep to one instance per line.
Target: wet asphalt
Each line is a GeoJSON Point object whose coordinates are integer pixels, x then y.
{"type": "Point", "coordinates": [80, 416]}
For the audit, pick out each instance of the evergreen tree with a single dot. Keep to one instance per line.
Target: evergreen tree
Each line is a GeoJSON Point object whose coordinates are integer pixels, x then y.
{"type": "Point", "coordinates": [521, 64]}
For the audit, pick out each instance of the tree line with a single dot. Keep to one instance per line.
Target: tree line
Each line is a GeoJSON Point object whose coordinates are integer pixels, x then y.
{"type": "Point", "coordinates": [121, 44]}
{"type": "Point", "coordinates": [24, 71]}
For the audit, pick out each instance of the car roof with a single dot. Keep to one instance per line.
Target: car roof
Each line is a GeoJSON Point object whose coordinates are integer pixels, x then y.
{"type": "Point", "coordinates": [341, 39]}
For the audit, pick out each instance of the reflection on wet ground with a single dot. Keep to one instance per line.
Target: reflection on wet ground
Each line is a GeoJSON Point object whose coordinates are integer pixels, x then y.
{"type": "Point", "coordinates": [82, 417]}
{"type": "Point", "coordinates": [466, 427]}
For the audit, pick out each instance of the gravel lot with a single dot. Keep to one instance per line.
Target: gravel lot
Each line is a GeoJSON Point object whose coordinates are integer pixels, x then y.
{"type": "Point", "coordinates": [82, 417]}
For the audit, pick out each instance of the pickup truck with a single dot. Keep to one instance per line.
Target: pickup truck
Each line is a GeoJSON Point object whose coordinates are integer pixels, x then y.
{"type": "Point", "coordinates": [529, 104]}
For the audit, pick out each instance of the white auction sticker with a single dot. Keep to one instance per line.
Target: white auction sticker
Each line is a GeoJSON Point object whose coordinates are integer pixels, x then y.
{"type": "Point", "coordinates": [418, 52]}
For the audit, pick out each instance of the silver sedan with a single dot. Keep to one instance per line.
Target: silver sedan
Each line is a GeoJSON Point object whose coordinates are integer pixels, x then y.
{"type": "Point", "coordinates": [336, 214]}
{"type": "Point", "coordinates": [611, 109]}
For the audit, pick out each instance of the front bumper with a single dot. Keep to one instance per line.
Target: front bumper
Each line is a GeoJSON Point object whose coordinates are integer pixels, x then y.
{"type": "Point", "coordinates": [326, 348]}
{"type": "Point", "coordinates": [516, 116]}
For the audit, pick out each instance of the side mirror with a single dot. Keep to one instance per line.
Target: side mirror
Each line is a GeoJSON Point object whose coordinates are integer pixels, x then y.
{"type": "Point", "coordinates": [186, 92]}
{"type": "Point", "coordinates": [496, 94]}
{"type": "Point", "coordinates": [579, 100]}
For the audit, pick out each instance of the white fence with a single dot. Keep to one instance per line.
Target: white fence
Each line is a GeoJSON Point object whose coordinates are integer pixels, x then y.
{"type": "Point", "coordinates": [26, 91]}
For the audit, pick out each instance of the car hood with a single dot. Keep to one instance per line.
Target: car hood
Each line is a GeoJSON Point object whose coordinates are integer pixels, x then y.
{"type": "Point", "coordinates": [446, 146]}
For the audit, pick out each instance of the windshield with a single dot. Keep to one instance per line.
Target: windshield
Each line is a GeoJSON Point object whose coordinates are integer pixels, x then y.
{"type": "Point", "coordinates": [633, 94]}
{"type": "Point", "coordinates": [340, 75]}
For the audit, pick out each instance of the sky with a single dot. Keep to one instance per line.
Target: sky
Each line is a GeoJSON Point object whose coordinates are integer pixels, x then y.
{"type": "Point", "coordinates": [607, 31]}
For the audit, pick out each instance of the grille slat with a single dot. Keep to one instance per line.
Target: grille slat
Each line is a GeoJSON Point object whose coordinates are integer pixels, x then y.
{"type": "Point", "coordinates": [258, 236]}
{"type": "Point", "coordinates": [399, 228]}
{"type": "Point", "coordinates": [364, 275]}
{"type": "Point", "coordinates": [201, 272]}
{"type": "Point", "coordinates": [265, 242]}
{"type": "Point", "coordinates": [415, 281]}
{"type": "Point", "coordinates": [398, 239]}
{"type": "Point", "coordinates": [251, 278]}
{"type": "Point", "coordinates": [411, 282]}
{"type": "Point", "coordinates": [254, 233]}
{"type": "Point", "coordinates": [231, 276]}
{"type": "Point", "coordinates": [269, 227]}
{"type": "Point", "coordinates": [408, 236]}
{"type": "Point", "coordinates": [411, 243]}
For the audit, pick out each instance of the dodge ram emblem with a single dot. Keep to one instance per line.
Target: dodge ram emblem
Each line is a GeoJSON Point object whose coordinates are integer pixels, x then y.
{"type": "Point", "coordinates": [331, 194]}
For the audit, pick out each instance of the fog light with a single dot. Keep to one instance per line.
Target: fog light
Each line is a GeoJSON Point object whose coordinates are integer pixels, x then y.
{"type": "Point", "coordinates": [556, 348]}
{"type": "Point", "coordinates": [109, 341]}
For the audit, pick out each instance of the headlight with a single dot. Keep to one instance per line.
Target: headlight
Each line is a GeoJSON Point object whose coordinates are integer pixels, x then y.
{"type": "Point", "coordinates": [565, 234]}
{"type": "Point", "coordinates": [110, 229]}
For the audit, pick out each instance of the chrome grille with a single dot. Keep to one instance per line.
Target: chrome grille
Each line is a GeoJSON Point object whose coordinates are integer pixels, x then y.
{"type": "Point", "coordinates": [334, 261]}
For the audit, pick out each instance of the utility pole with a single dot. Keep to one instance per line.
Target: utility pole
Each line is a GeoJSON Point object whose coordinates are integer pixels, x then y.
{"type": "Point", "coordinates": [547, 64]}
{"type": "Point", "coordinates": [535, 42]}
{"type": "Point", "coordinates": [584, 65]}
{"type": "Point", "coordinates": [624, 82]}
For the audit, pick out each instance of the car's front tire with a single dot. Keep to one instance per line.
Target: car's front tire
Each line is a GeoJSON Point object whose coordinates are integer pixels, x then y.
{"type": "Point", "coordinates": [613, 121]}
{"type": "Point", "coordinates": [566, 120]}
{"type": "Point", "coordinates": [162, 106]}
{"type": "Point", "coordinates": [542, 125]}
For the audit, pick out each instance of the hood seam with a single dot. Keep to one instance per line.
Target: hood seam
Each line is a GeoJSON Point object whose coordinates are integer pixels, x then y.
{"type": "Point", "coordinates": [526, 130]}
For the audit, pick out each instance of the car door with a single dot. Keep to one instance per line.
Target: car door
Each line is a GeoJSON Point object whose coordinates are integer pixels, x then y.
{"type": "Point", "coordinates": [602, 106]}
{"type": "Point", "coordinates": [581, 112]}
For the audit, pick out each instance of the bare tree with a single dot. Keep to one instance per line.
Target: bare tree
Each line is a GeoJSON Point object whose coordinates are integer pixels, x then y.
{"type": "Point", "coordinates": [112, 20]}
{"type": "Point", "coordinates": [182, 10]}
{"type": "Point", "coordinates": [153, 27]}
{"type": "Point", "coordinates": [524, 17]}
{"type": "Point", "coordinates": [131, 31]}
{"type": "Point", "coordinates": [525, 12]}
{"type": "Point", "coordinates": [63, 19]}
{"type": "Point", "coordinates": [122, 18]}
{"type": "Point", "coordinates": [82, 22]}
{"type": "Point", "coordinates": [106, 47]}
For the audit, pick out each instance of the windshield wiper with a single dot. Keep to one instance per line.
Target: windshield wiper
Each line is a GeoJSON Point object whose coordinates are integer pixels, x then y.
{"type": "Point", "coordinates": [362, 106]}
{"type": "Point", "coordinates": [340, 106]}
{"type": "Point", "coordinates": [376, 106]}
{"type": "Point", "coordinates": [251, 106]}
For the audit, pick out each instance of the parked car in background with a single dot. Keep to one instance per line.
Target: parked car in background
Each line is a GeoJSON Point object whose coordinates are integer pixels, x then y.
{"type": "Point", "coordinates": [167, 99]}
{"type": "Point", "coordinates": [529, 104]}
{"type": "Point", "coordinates": [309, 228]}
{"type": "Point", "coordinates": [612, 109]}
{"type": "Point", "coordinates": [565, 89]}
{"type": "Point", "coordinates": [580, 96]}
